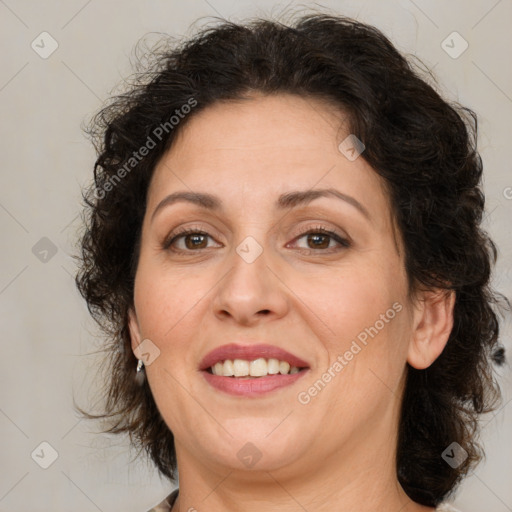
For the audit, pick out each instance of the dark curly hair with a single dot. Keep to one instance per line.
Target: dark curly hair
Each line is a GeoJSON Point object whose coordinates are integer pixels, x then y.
{"type": "Point", "coordinates": [424, 147]}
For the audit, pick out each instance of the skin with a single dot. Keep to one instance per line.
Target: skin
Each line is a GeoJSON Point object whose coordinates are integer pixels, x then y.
{"type": "Point", "coordinates": [338, 450]}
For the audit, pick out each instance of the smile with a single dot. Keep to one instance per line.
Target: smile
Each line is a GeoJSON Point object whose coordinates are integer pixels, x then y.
{"type": "Point", "coordinates": [260, 367]}
{"type": "Point", "coordinates": [251, 370]}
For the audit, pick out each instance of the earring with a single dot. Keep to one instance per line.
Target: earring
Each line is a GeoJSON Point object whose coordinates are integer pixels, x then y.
{"type": "Point", "coordinates": [139, 375]}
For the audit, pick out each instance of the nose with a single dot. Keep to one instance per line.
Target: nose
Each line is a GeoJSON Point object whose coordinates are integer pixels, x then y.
{"type": "Point", "coordinates": [250, 291]}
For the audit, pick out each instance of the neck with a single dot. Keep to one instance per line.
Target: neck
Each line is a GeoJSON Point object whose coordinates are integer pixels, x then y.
{"type": "Point", "coordinates": [356, 478]}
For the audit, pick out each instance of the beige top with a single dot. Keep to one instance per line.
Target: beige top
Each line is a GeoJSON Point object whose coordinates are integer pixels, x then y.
{"type": "Point", "coordinates": [167, 503]}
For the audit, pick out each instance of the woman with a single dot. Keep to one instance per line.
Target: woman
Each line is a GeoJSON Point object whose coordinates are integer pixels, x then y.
{"type": "Point", "coordinates": [283, 243]}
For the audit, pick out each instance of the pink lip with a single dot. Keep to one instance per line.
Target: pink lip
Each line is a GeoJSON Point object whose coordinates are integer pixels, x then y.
{"type": "Point", "coordinates": [249, 353]}
{"type": "Point", "coordinates": [251, 387]}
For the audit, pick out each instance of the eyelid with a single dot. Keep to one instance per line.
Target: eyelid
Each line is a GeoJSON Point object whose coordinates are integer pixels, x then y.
{"type": "Point", "coordinates": [325, 228]}
{"type": "Point", "coordinates": [182, 231]}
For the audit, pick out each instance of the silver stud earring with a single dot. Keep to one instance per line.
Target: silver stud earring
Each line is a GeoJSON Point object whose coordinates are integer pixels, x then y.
{"type": "Point", "coordinates": [139, 375]}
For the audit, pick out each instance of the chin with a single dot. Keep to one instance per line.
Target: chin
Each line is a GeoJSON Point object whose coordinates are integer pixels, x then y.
{"type": "Point", "coordinates": [253, 445]}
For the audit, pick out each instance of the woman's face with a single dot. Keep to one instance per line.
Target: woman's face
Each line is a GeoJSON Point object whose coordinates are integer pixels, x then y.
{"type": "Point", "coordinates": [256, 286]}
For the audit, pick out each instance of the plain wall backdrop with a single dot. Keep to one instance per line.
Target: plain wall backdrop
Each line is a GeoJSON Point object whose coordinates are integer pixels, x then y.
{"type": "Point", "coordinates": [50, 84]}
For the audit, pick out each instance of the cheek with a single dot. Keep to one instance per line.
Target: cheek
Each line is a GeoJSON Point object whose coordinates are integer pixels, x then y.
{"type": "Point", "coordinates": [366, 364]}
{"type": "Point", "coordinates": [166, 304]}
{"type": "Point", "coordinates": [354, 301]}
{"type": "Point", "coordinates": [163, 299]}
{"type": "Point", "coordinates": [367, 322]}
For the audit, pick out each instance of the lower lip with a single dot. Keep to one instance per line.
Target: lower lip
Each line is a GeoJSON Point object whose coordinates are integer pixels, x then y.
{"type": "Point", "coordinates": [256, 386]}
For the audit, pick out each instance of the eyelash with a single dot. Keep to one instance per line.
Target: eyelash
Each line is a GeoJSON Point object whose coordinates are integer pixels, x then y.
{"type": "Point", "coordinates": [314, 230]}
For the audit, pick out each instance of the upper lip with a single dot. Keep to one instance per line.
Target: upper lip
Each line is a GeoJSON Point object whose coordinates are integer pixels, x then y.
{"type": "Point", "coordinates": [249, 353]}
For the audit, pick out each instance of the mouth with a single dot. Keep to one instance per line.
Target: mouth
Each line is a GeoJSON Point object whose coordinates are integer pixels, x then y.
{"type": "Point", "coordinates": [251, 370]}
{"type": "Point", "coordinates": [257, 368]}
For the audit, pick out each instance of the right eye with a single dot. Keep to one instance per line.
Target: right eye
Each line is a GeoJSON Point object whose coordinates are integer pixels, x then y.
{"type": "Point", "coordinates": [193, 238]}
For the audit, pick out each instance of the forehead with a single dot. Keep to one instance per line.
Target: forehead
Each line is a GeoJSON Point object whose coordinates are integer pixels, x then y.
{"type": "Point", "coordinates": [253, 150]}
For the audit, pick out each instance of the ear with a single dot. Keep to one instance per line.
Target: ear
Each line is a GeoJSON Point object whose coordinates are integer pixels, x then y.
{"type": "Point", "coordinates": [133, 325]}
{"type": "Point", "coordinates": [432, 325]}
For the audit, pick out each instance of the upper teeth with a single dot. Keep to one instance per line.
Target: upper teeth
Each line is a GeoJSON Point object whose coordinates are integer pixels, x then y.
{"type": "Point", "coordinates": [257, 368]}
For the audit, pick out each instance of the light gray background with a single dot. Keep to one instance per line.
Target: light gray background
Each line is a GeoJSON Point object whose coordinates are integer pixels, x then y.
{"type": "Point", "coordinates": [45, 160]}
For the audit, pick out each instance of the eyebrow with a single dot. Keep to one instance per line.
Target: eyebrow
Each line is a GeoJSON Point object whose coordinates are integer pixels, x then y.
{"type": "Point", "coordinates": [285, 201]}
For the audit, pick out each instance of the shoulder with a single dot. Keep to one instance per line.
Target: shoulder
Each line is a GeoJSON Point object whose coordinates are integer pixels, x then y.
{"type": "Point", "coordinates": [446, 507]}
{"type": "Point", "coordinates": [166, 504]}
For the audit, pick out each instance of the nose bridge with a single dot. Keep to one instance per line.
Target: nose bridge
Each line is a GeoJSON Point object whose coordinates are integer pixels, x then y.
{"type": "Point", "coordinates": [250, 286]}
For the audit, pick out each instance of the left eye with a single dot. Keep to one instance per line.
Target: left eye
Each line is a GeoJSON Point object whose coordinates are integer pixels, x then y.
{"type": "Point", "coordinates": [321, 238]}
